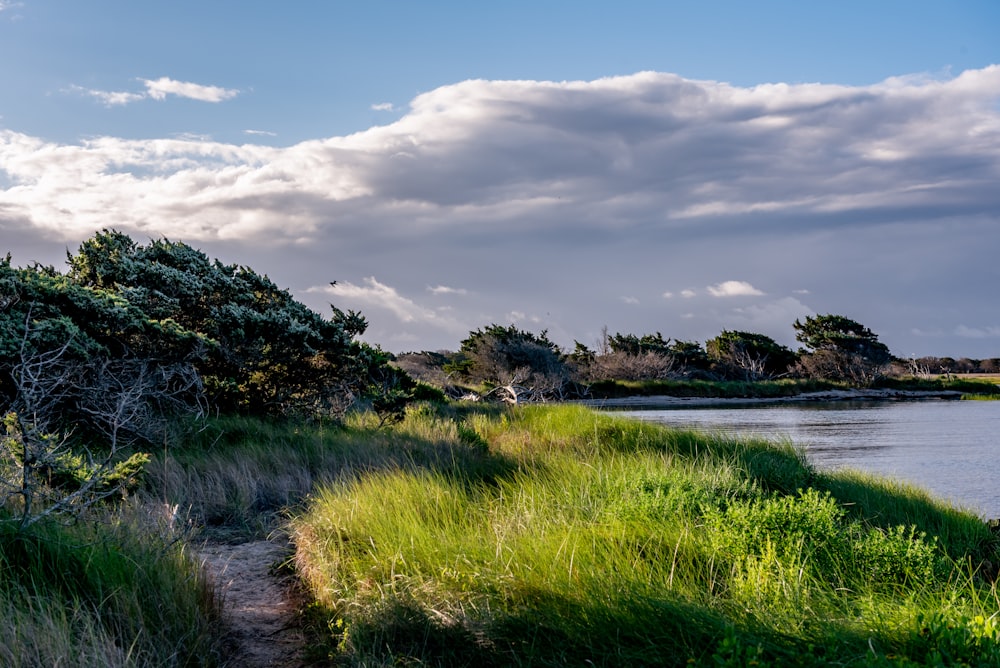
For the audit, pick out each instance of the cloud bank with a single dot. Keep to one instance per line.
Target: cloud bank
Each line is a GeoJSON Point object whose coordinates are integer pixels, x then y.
{"type": "Point", "coordinates": [532, 194]}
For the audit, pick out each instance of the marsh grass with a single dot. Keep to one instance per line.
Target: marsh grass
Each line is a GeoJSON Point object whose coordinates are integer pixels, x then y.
{"type": "Point", "coordinates": [603, 541]}
{"type": "Point", "coordinates": [103, 594]}
{"type": "Point", "coordinates": [237, 477]}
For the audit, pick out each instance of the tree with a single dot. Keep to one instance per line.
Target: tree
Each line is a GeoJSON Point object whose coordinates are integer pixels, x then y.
{"type": "Point", "coordinates": [628, 357]}
{"type": "Point", "coordinates": [638, 345]}
{"type": "Point", "coordinates": [50, 465]}
{"type": "Point", "coordinates": [749, 356]}
{"type": "Point", "coordinates": [42, 311]}
{"type": "Point", "coordinates": [518, 364]}
{"type": "Point", "coordinates": [842, 349]}
{"type": "Point", "coordinates": [265, 352]}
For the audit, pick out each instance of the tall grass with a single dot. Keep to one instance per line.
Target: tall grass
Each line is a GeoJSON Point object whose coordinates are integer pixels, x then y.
{"type": "Point", "coordinates": [237, 477]}
{"type": "Point", "coordinates": [611, 542]}
{"type": "Point", "coordinates": [102, 595]}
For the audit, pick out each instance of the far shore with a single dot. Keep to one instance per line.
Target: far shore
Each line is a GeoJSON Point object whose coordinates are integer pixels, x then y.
{"type": "Point", "coordinates": [806, 397]}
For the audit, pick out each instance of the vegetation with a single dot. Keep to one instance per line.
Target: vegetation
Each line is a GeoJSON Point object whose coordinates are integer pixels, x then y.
{"type": "Point", "coordinates": [122, 592]}
{"type": "Point", "coordinates": [841, 348]}
{"type": "Point", "coordinates": [754, 356]}
{"type": "Point", "coordinates": [595, 540]}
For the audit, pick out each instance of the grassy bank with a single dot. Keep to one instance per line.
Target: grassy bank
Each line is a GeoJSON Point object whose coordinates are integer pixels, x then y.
{"type": "Point", "coordinates": [599, 541]}
{"type": "Point", "coordinates": [778, 389]}
{"type": "Point", "coordinates": [546, 536]}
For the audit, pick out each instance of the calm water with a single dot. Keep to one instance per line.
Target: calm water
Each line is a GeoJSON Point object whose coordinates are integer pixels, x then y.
{"type": "Point", "coordinates": [951, 448]}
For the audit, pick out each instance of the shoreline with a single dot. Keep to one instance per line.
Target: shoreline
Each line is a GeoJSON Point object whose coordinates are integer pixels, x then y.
{"type": "Point", "coordinates": [667, 401]}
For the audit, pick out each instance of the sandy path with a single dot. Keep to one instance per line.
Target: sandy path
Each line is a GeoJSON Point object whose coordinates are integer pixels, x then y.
{"type": "Point", "coordinates": [258, 608]}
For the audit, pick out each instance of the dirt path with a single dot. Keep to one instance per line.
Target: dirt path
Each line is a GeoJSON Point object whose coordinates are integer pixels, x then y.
{"type": "Point", "coordinates": [258, 607]}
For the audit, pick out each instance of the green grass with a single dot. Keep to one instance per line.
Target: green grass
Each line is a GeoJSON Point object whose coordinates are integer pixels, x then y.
{"type": "Point", "coordinates": [102, 595]}
{"type": "Point", "coordinates": [609, 542]}
{"type": "Point", "coordinates": [541, 535]}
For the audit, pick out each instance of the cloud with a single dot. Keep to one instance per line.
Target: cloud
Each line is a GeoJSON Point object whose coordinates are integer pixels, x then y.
{"type": "Point", "coordinates": [375, 295]}
{"type": "Point", "coordinates": [977, 332]}
{"type": "Point", "coordinates": [109, 98]}
{"type": "Point", "coordinates": [159, 89]}
{"type": "Point", "coordinates": [733, 289]}
{"type": "Point", "coordinates": [383, 106]}
{"type": "Point", "coordinates": [630, 300]}
{"type": "Point", "coordinates": [772, 317]}
{"type": "Point", "coordinates": [560, 197]}
{"type": "Point", "coordinates": [264, 133]}
{"type": "Point", "coordinates": [445, 290]}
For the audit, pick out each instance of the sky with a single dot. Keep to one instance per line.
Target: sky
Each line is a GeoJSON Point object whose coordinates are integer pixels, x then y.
{"type": "Point", "coordinates": [568, 167]}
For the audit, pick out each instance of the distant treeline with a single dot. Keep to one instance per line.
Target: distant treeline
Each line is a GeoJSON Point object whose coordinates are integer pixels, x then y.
{"type": "Point", "coordinates": [516, 365]}
{"type": "Point", "coordinates": [946, 365]}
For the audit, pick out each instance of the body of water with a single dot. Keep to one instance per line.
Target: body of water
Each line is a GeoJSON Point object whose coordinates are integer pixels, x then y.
{"type": "Point", "coordinates": [950, 448]}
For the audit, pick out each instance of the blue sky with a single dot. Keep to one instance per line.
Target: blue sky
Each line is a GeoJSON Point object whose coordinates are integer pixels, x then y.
{"type": "Point", "coordinates": [641, 166]}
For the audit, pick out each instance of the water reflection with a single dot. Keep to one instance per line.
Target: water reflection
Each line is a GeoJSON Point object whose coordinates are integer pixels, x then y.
{"type": "Point", "coordinates": [947, 447]}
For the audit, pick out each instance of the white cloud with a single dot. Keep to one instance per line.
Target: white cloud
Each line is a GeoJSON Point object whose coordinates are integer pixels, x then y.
{"type": "Point", "coordinates": [158, 89]}
{"type": "Point", "coordinates": [264, 133]}
{"type": "Point", "coordinates": [630, 300]}
{"type": "Point", "coordinates": [445, 290]}
{"type": "Point", "coordinates": [383, 106]}
{"type": "Point", "coordinates": [668, 295]}
{"type": "Point", "coordinates": [375, 294]}
{"type": "Point", "coordinates": [688, 294]}
{"type": "Point", "coordinates": [977, 332]}
{"type": "Point", "coordinates": [109, 98]}
{"type": "Point", "coordinates": [733, 289]}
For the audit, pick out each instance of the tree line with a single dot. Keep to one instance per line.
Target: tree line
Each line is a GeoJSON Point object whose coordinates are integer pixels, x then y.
{"type": "Point", "coordinates": [515, 364]}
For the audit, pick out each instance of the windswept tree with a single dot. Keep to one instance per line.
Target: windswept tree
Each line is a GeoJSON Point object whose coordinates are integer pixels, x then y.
{"type": "Point", "coordinates": [517, 364]}
{"type": "Point", "coordinates": [82, 392]}
{"type": "Point", "coordinates": [749, 356]}
{"type": "Point", "coordinates": [839, 348]}
{"type": "Point", "coordinates": [646, 357]}
{"type": "Point", "coordinates": [265, 352]}
{"type": "Point", "coordinates": [626, 357]}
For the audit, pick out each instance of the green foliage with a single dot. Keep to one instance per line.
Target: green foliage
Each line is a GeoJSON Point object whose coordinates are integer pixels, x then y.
{"type": "Point", "coordinates": [749, 356]}
{"type": "Point", "coordinates": [687, 355]}
{"type": "Point", "coordinates": [267, 353]}
{"type": "Point", "coordinates": [525, 365]}
{"type": "Point", "coordinates": [638, 345]}
{"type": "Point", "coordinates": [611, 542]}
{"type": "Point", "coordinates": [841, 348]}
{"type": "Point", "coordinates": [65, 471]}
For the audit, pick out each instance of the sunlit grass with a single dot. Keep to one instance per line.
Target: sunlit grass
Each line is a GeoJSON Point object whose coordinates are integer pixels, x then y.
{"type": "Point", "coordinates": [616, 542]}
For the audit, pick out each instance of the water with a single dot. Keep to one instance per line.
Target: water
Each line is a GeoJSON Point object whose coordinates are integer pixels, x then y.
{"type": "Point", "coordinates": [950, 448]}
